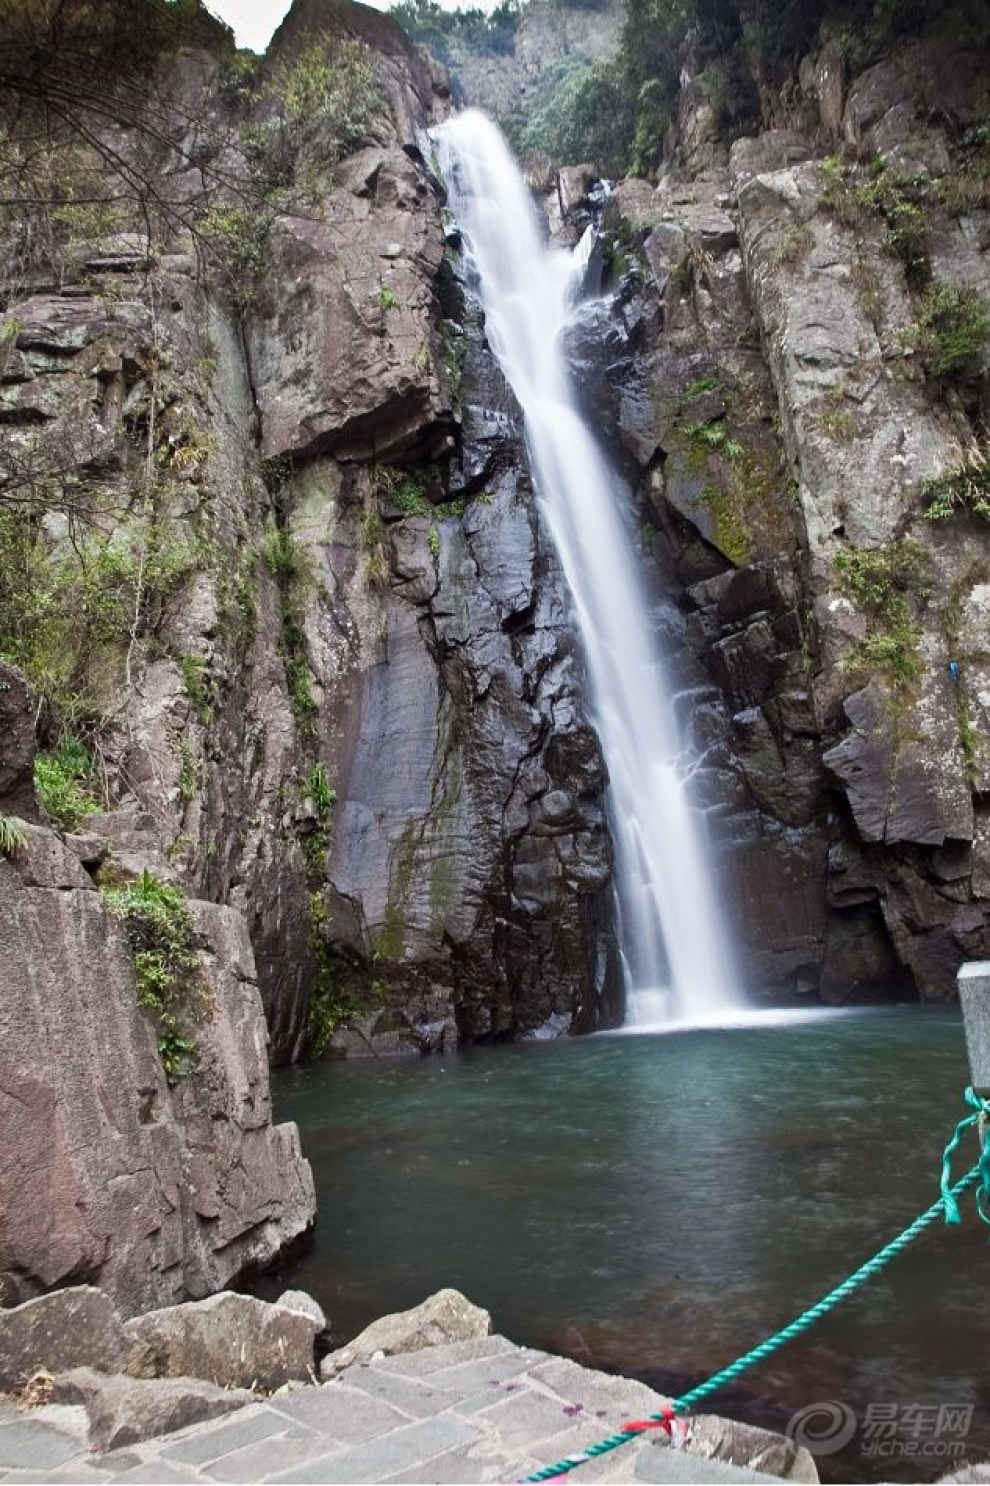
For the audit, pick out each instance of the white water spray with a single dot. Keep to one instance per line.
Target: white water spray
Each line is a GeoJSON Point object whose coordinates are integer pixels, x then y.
{"type": "Point", "coordinates": [677, 964]}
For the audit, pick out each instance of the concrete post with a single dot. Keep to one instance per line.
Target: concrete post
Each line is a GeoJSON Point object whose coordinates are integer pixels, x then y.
{"type": "Point", "coordinates": [974, 998]}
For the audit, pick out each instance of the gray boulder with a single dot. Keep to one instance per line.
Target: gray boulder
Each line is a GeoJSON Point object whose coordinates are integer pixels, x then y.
{"type": "Point", "coordinates": [750, 1447]}
{"type": "Point", "coordinates": [63, 1330]}
{"type": "Point", "coordinates": [298, 1300]}
{"type": "Point", "coordinates": [447, 1316]}
{"type": "Point", "coordinates": [124, 1411]}
{"type": "Point", "coordinates": [232, 1340]}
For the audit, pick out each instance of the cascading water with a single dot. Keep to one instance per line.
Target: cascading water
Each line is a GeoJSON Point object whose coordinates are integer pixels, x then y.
{"type": "Point", "coordinates": [677, 964]}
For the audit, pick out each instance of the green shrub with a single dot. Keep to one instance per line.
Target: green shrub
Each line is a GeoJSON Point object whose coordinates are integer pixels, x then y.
{"type": "Point", "coordinates": [317, 787]}
{"type": "Point", "coordinates": [62, 780]}
{"type": "Point", "coordinates": [582, 112]}
{"type": "Point", "coordinates": [442, 30]}
{"type": "Point", "coordinates": [236, 240]}
{"type": "Point", "coordinates": [888, 584]}
{"type": "Point", "coordinates": [12, 835]}
{"type": "Point", "coordinates": [199, 688]}
{"type": "Point", "coordinates": [954, 329]}
{"type": "Point", "coordinates": [162, 944]}
{"type": "Point", "coordinates": [965, 487]}
{"type": "Point", "coordinates": [321, 104]}
{"type": "Point", "coordinates": [68, 609]}
{"type": "Point", "coordinates": [281, 554]}
{"type": "Point", "coordinates": [714, 435]}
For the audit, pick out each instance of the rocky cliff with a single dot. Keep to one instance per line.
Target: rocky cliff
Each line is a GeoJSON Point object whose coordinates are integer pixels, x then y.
{"type": "Point", "coordinates": [279, 612]}
{"type": "Point", "coordinates": [298, 643]}
{"type": "Point", "coordinates": [301, 649]}
{"type": "Point", "coordinates": [796, 377]}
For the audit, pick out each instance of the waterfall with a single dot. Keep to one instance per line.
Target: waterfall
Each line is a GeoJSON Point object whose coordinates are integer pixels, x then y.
{"type": "Point", "coordinates": [676, 960]}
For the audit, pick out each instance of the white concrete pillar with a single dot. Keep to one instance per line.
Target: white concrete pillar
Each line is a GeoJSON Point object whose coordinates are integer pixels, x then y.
{"type": "Point", "coordinates": [974, 998]}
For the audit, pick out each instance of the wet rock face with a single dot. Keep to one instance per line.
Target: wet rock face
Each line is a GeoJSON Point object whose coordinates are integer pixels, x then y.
{"type": "Point", "coordinates": [468, 865]}
{"type": "Point", "coordinates": [844, 734]}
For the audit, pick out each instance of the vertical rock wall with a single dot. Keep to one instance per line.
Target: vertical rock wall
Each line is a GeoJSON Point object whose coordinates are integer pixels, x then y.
{"type": "Point", "coordinates": [846, 755]}
{"type": "Point", "coordinates": [322, 635]}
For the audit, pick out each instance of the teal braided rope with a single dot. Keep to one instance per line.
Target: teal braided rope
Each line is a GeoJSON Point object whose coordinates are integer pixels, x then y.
{"type": "Point", "coordinates": [980, 1118]}
{"type": "Point", "coordinates": [947, 1206]}
{"type": "Point", "coordinates": [828, 1302]}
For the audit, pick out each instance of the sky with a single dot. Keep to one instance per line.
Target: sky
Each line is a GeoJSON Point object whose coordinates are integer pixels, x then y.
{"type": "Point", "coordinates": [254, 21]}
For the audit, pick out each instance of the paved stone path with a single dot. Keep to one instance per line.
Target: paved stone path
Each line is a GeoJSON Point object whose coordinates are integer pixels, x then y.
{"type": "Point", "coordinates": [473, 1411]}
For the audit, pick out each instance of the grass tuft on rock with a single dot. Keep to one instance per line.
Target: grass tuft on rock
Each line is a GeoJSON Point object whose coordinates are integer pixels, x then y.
{"type": "Point", "coordinates": [161, 939]}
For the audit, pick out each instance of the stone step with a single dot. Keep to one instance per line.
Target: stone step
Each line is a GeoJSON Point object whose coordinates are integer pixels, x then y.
{"type": "Point", "coordinates": [474, 1411]}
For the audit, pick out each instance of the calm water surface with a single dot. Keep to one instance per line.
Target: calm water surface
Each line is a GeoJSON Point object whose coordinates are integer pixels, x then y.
{"type": "Point", "coordinates": [658, 1204]}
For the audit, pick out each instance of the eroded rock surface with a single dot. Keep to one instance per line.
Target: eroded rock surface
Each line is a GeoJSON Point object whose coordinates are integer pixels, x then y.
{"type": "Point", "coordinates": [107, 1173]}
{"type": "Point", "coordinates": [842, 739]}
{"type": "Point", "coordinates": [448, 1316]}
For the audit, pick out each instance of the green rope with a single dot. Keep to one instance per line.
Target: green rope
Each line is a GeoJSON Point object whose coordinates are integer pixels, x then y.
{"type": "Point", "coordinates": [982, 1108]}
{"type": "Point", "coordinates": [946, 1206]}
{"type": "Point", "coordinates": [828, 1302]}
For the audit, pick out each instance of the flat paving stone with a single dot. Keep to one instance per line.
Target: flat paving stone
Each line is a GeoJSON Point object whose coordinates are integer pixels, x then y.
{"type": "Point", "coordinates": [266, 1458]}
{"type": "Point", "coordinates": [529, 1417]}
{"type": "Point", "coordinates": [659, 1463]}
{"type": "Point", "coordinates": [202, 1445]}
{"type": "Point", "coordinates": [420, 1397]}
{"type": "Point", "coordinates": [596, 1391]}
{"type": "Point", "coordinates": [432, 1359]}
{"type": "Point", "coordinates": [26, 1444]}
{"type": "Point", "coordinates": [158, 1471]}
{"type": "Point", "coordinates": [466, 1463]}
{"type": "Point", "coordinates": [386, 1455]}
{"type": "Point", "coordinates": [345, 1414]}
{"type": "Point", "coordinates": [472, 1377]}
{"type": "Point", "coordinates": [482, 1411]}
{"type": "Point", "coordinates": [80, 1473]}
{"type": "Point", "coordinates": [119, 1460]}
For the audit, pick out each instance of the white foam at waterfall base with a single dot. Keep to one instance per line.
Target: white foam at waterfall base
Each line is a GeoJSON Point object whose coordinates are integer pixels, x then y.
{"type": "Point", "coordinates": [673, 943]}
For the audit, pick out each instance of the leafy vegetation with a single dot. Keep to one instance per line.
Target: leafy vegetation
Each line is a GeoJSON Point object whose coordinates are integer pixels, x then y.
{"type": "Point", "coordinates": [289, 565]}
{"type": "Point", "coordinates": [407, 490]}
{"type": "Point", "coordinates": [13, 836]}
{"type": "Point", "coordinates": [73, 75]}
{"type": "Point", "coordinates": [582, 111]}
{"type": "Point", "coordinates": [954, 329]}
{"type": "Point", "coordinates": [69, 608]}
{"type": "Point", "coordinates": [318, 105]}
{"type": "Point", "coordinates": [430, 24]}
{"type": "Point", "coordinates": [317, 792]}
{"type": "Point", "coordinates": [888, 584]}
{"type": "Point", "coordinates": [738, 51]}
{"type": "Point", "coordinates": [713, 434]}
{"type": "Point", "coordinates": [199, 688]}
{"type": "Point", "coordinates": [899, 201]}
{"type": "Point", "coordinates": [63, 781]}
{"type": "Point", "coordinates": [162, 943]}
{"type": "Point", "coordinates": [964, 487]}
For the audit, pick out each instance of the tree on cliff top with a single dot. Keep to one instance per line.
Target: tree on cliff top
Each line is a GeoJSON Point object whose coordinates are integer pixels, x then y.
{"type": "Point", "coordinates": [78, 55]}
{"type": "Point", "coordinates": [84, 129]}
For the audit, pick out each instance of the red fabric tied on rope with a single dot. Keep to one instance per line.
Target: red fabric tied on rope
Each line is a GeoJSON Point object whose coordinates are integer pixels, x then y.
{"type": "Point", "coordinates": [636, 1426]}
